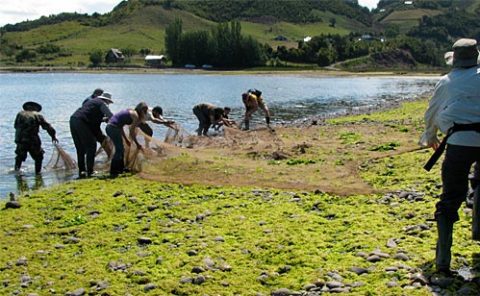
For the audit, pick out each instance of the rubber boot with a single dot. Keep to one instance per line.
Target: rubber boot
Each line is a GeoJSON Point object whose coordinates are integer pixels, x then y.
{"type": "Point", "coordinates": [18, 164]}
{"type": "Point", "coordinates": [444, 244]}
{"type": "Point", "coordinates": [247, 125]}
{"type": "Point", "coordinates": [38, 166]}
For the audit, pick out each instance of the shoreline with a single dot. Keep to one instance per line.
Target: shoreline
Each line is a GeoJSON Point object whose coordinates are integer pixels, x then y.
{"type": "Point", "coordinates": [136, 236]}
{"type": "Point", "coordinates": [173, 71]}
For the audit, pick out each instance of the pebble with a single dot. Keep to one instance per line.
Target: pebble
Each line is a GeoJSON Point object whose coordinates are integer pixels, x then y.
{"type": "Point", "coordinates": [199, 280]}
{"type": "Point", "coordinates": [392, 284]}
{"type": "Point", "coordinates": [359, 270]}
{"type": "Point", "coordinates": [334, 284]}
{"type": "Point", "coordinates": [284, 269]}
{"type": "Point", "coordinates": [309, 287]}
{"type": "Point", "coordinates": [78, 292]}
{"type": "Point", "coordinates": [225, 267]}
{"type": "Point", "coordinates": [12, 204]}
{"type": "Point", "coordinates": [117, 193]}
{"type": "Point", "coordinates": [159, 260]}
{"type": "Point", "coordinates": [401, 256]}
{"type": "Point", "coordinates": [143, 240]}
{"type": "Point", "coordinates": [22, 261]}
{"type": "Point", "coordinates": [59, 246]}
{"type": "Point", "coordinates": [198, 269]}
{"type": "Point", "coordinates": [186, 280]}
{"type": "Point", "coordinates": [152, 208]}
{"type": "Point", "coordinates": [362, 254]}
{"type": "Point", "coordinates": [71, 240]}
{"type": "Point", "coordinates": [219, 239]}
{"type": "Point", "coordinates": [380, 254]}
{"type": "Point", "coordinates": [391, 269]}
{"type": "Point", "coordinates": [282, 292]}
{"type": "Point", "coordinates": [149, 287]}
{"type": "Point", "coordinates": [209, 263]}
{"type": "Point", "coordinates": [373, 258]}
{"type": "Point", "coordinates": [192, 253]}
{"type": "Point", "coordinates": [419, 278]}
{"type": "Point", "coordinates": [339, 290]}
{"type": "Point", "coordinates": [391, 243]}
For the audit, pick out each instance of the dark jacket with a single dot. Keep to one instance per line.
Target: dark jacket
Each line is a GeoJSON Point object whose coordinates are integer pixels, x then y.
{"type": "Point", "coordinates": [92, 112]}
{"type": "Point", "coordinates": [27, 124]}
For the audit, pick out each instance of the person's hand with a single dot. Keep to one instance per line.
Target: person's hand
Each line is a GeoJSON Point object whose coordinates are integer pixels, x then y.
{"type": "Point", "coordinates": [139, 147]}
{"type": "Point", "coordinates": [54, 140]}
{"type": "Point", "coordinates": [434, 145]}
{"type": "Point", "coordinates": [170, 122]}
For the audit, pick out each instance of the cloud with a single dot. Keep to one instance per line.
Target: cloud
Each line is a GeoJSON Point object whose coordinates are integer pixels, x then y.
{"type": "Point", "coordinates": [368, 3]}
{"type": "Point", "coordinates": [14, 11]}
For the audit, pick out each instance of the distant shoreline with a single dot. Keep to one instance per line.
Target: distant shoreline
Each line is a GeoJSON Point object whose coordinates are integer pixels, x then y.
{"type": "Point", "coordinates": [128, 70]}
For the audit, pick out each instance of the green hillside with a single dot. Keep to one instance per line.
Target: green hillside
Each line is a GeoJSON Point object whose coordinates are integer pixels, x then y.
{"type": "Point", "coordinates": [141, 24]}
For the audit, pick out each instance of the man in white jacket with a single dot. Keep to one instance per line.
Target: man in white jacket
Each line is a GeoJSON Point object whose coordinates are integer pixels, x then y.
{"type": "Point", "coordinates": [454, 110]}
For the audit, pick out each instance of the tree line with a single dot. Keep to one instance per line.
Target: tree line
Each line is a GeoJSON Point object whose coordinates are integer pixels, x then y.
{"type": "Point", "coordinates": [223, 47]}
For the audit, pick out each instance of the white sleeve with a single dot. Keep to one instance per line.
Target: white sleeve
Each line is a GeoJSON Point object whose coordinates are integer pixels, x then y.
{"type": "Point", "coordinates": [436, 104]}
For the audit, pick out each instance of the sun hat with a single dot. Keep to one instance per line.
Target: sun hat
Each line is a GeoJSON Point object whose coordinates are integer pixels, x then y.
{"type": "Point", "coordinates": [465, 53]}
{"type": "Point", "coordinates": [32, 106]}
{"type": "Point", "coordinates": [97, 92]}
{"type": "Point", "coordinates": [106, 97]}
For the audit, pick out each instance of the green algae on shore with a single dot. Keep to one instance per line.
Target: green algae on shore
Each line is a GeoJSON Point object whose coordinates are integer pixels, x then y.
{"type": "Point", "coordinates": [129, 236]}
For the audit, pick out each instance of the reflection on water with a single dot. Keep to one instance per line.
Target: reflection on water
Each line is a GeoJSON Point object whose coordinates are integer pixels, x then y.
{"type": "Point", "coordinates": [290, 97]}
{"type": "Point", "coordinates": [23, 184]}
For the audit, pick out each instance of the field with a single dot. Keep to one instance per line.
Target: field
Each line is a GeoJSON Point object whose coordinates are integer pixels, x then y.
{"type": "Point", "coordinates": [145, 28]}
{"type": "Point", "coordinates": [348, 210]}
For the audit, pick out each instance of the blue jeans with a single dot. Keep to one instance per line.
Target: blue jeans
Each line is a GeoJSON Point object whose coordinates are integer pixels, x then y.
{"type": "Point", "coordinates": [115, 133]}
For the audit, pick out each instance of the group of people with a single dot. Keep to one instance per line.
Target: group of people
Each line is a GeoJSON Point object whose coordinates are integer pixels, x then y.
{"type": "Point", "coordinates": [85, 128]}
{"type": "Point", "coordinates": [454, 109]}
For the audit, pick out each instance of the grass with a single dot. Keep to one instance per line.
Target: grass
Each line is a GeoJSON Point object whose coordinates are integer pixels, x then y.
{"type": "Point", "coordinates": [145, 28]}
{"type": "Point", "coordinates": [248, 238]}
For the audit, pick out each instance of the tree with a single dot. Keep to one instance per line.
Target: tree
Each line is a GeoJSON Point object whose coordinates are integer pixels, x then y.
{"type": "Point", "coordinates": [333, 22]}
{"type": "Point", "coordinates": [96, 57]}
{"type": "Point", "coordinates": [173, 35]}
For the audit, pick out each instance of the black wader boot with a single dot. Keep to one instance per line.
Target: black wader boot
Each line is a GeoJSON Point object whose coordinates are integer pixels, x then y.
{"type": "Point", "coordinates": [38, 166]}
{"type": "Point", "coordinates": [247, 125]}
{"type": "Point", "coordinates": [18, 164]}
{"type": "Point", "coordinates": [444, 243]}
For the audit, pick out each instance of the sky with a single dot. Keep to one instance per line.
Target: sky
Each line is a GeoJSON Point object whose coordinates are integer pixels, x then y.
{"type": "Point", "coordinates": [15, 11]}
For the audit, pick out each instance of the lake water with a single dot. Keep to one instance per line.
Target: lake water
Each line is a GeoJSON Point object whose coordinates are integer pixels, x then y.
{"type": "Point", "coordinates": [290, 97]}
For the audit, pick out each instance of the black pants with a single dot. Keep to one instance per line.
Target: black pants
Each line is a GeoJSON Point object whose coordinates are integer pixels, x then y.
{"type": "Point", "coordinates": [203, 121]}
{"type": "Point", "coordinates": [455, 170]}
{"type": "Point", "coordinates": [115, 133]}
{"type": "Point", "coordinates": [33, 146]}
{"type": "Point", "coordinates": [85, 144]}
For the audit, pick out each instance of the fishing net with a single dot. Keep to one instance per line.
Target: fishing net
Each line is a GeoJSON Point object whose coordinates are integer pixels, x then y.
{"type": "Point", "coordinates": [61, 159]}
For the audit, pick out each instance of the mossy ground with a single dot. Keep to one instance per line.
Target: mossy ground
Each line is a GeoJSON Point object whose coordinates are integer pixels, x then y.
{"type": "Point", "coordinates": [74, 235]}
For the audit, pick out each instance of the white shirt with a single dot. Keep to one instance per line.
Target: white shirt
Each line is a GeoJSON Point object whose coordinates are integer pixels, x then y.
{"type": "Point", "coordinates": [456, 99]}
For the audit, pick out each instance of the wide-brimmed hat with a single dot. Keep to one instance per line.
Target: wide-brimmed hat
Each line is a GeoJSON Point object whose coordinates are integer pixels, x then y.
{"type": "Point", "coordinates": [465, 53]}
{"type": "Point", "coordinates": [106, 97]}
{"type": "Point", "coordinates": [97, 92]}
{"type": "Point", "coordinates": [32, 106]}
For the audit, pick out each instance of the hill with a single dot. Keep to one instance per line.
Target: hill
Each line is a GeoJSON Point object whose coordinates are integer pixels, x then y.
{"type": "Point", "coordinates": [408, 14]}
{"type": "Point", "coordinates": [136, 25]}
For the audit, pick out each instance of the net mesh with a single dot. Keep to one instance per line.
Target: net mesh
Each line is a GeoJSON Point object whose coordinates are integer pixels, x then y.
{"type": "Point", "coordinates": [174, 143]}
{"type": "Point", "coordinates": [60, 160]}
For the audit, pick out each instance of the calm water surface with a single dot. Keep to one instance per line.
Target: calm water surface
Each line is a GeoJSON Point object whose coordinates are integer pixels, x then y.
{"type": "Point", "coordinates": [291, 97]}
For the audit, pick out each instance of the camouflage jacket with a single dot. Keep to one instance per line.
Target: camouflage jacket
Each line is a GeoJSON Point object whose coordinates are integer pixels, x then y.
{"type": "Point", "coordinates": [27, 124]}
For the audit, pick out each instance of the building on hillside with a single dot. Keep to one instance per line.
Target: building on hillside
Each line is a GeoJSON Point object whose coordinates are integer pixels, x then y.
{"type": "Point", "coordinates": [307, 39]}
{"type": "Point", "coordinates": [280, 38]}
{"type": "Point", "coordinates": [408, 2]}
{"type": "Point", "coordinates": [155, 61]}
{"type": "Point", "coordinates": [114, 56]}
